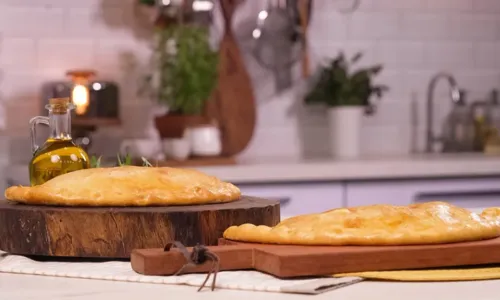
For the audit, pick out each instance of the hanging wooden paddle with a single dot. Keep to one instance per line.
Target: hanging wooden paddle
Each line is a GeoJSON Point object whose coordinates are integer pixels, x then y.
{"type": "Point", "coordinates": [304, 7]}
{"type": "Point", "coordinates": [232, 103]}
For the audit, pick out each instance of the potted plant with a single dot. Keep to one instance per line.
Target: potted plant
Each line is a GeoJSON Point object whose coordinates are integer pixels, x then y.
{"type": "Point", "coordinates": [347, 95]}
{"type": "Point", "coordinates": [186, 74]}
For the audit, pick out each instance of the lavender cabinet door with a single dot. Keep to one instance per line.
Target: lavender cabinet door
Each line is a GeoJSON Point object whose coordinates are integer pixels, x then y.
{"type": "Point", "coordinates": [297, 199]}
{"type": "Point", "coordinates": [465, 192]}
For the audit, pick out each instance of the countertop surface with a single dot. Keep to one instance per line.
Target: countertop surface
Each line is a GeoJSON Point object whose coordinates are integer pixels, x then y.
{"type": "Point", "coordinates": [28, 287]}
{"type": "Point", "coordinates": [366, 168]}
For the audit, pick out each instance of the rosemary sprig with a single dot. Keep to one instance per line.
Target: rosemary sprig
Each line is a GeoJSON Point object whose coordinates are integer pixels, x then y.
{"type": "Point", "coordinates": [145, 162]}
{"type": "Point", "coordinates": [95, 162]}
{"type": "Point", "coordinates": [126, 162]}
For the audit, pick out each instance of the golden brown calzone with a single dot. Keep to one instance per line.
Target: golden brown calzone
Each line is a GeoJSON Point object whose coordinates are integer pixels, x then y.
{"type": "Point", "coordinates": [127, 186]}
{"type": "Point", "coordinates": [426, 223]}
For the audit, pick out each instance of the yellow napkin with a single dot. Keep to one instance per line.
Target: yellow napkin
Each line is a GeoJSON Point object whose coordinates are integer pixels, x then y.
{"type": "Point", "coordinates": [449, 274]}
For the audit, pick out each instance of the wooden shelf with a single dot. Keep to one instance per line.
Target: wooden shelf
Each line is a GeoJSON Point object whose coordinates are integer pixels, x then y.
{"type": "Point", "coordinates": [95, 122]}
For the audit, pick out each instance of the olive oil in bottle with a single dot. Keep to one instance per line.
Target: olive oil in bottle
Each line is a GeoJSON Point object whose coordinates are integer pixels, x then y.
{"type": "Point", "coordinates": [59, 154]}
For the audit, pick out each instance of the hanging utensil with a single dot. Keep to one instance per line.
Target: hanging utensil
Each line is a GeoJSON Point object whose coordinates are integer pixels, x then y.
{"type": "Point", "coordinates": [279, 39]}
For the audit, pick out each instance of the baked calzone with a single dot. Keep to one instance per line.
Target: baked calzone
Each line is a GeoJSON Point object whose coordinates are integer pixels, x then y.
{"type": "Point", "coordinates": [127, 186]}
{"type": "Point", "coordinates": [426, 223]}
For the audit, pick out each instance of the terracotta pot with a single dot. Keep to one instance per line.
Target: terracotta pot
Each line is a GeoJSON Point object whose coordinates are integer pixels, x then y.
{"type": "Point", "coordinates": [173, 125]}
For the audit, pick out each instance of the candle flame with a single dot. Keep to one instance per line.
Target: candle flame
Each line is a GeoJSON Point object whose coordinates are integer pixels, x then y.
{"type": "Point", "coordinates": [80, 97]}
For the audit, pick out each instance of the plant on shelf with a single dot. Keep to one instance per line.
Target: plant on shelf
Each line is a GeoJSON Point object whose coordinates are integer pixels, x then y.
{"type": "Point", "coordinates": [347, 95]}
{"type": "Point", "coordinates": [337, 86]}
{"type": "Point", "coordinates": [147, 2]}
{"type": "Point", "coordinates": [188, 69]}
{"type": "Point", "coordinates": [184, 76]}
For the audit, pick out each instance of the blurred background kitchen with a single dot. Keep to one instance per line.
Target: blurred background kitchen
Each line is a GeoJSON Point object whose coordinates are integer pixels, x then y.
{"type": "Point", "coordinates": [320, 104]}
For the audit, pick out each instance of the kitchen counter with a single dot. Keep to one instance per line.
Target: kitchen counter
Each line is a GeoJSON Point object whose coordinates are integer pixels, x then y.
{"type": "Point", "coordinates": [367, 168]}
{"type": "Point", "coordinates": [27, 287]}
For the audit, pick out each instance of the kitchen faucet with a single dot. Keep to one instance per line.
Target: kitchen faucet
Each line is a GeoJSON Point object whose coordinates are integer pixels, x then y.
{"type": "Point", "coordinates": [455, 98]}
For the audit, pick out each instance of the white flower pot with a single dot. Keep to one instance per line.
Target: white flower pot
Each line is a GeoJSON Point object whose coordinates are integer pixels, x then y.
{"type": "Point", "coordinates": [345, 130]}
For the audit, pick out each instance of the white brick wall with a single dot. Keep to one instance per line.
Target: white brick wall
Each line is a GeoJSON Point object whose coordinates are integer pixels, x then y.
{"type": "Point", "coordinates": [41, 39]}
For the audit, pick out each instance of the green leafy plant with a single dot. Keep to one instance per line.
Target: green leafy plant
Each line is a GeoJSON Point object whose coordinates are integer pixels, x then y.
{"type": "Point", "coordinates": [187, 69]}
{"type": "Point", "coordinates": [336, 85]}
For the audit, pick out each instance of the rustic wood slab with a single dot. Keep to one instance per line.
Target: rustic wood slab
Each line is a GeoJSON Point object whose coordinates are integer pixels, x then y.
{"type": "Point", "coordinates": [113, 232]}
{"type": "Point", "coordinates": [296, 261]}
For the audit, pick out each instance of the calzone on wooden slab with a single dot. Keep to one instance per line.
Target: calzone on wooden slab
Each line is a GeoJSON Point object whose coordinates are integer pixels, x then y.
{"type": "Point", "coordinates": [426, 223]}
{"type": "Point", "coordinates": [127, 186]}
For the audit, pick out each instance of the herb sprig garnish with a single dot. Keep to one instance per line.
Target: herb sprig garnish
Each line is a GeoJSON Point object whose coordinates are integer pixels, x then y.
{"type": "Point", "coordinates": [95, 162]}
{"type": "Point", "coordinates": [127, 161]}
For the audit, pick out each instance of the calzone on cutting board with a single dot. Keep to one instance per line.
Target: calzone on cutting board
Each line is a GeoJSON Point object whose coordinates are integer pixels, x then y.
{"type": "Point", "coordinates": [127, 186]}
{"type": "Point", "coordinates": [426, 223]}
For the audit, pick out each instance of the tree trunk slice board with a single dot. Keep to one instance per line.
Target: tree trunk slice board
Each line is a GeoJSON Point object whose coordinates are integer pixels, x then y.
{"type": "Point", "coordinates": [232, 103]}
{"type": "Point", "coordinates": [113, 232]}
{"type": "Point", "coordinates": [288, 261]}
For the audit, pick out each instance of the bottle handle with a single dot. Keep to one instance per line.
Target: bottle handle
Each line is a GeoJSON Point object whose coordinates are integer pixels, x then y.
{"type": "Point", "coordinates": [33, 123]}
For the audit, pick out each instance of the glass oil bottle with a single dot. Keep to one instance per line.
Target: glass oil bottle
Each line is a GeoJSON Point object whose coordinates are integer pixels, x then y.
{"type": "Point", "coordinates": [59, 154]}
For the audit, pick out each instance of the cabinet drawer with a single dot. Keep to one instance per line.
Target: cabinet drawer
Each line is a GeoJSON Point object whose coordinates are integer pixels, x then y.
{"type": "Point", "coordinates": [297, 199]}
{"type": "Point", "coordinates": [469, 193]}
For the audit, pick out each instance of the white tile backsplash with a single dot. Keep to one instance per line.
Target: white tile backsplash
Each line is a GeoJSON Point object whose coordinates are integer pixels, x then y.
{"type": "Point", "coordinates": [474, 27]}
{"type": "Point", "coordinates": [485, 6]}
{"type": "Point", "coordinates": [450, 6]}
{"type": "Point", "coordinates": [78, 53]}
{"type": "Point", "coordinates": [449, 55]}
{"type": "Point", "coordinates": [31, 21]}
{"type": "Point", "coordinates": [18, 53]}
{"type": "Point", "coordinates": [399, 54]}
{"type": "Point", "coordinates": [413, 39]}
{"type": "Point", "coordinates": [374, 25]}
{"type": "Point", "coordinates": [425, 26]}
{"type": "Point", "coordinates": [391, 5]}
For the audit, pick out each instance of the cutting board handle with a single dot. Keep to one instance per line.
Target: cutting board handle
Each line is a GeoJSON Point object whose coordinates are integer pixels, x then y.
{"type": "Point", "coordinates": [227, 8]}
{"type": "Point", "coordinates": [157, 261]}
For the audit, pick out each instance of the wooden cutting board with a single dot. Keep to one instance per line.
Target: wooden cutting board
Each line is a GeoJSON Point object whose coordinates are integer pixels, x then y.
{"type": "Point", "coordinates": [296, 261]}
{"type": "Point", "coordinates": [113, 232]}
{"type": "Point", "coordinates": [232, 103]}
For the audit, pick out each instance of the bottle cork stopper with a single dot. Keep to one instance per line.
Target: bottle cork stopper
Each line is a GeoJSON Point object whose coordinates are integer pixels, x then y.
{"type": "Point", "coordinates": [59, 105]}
